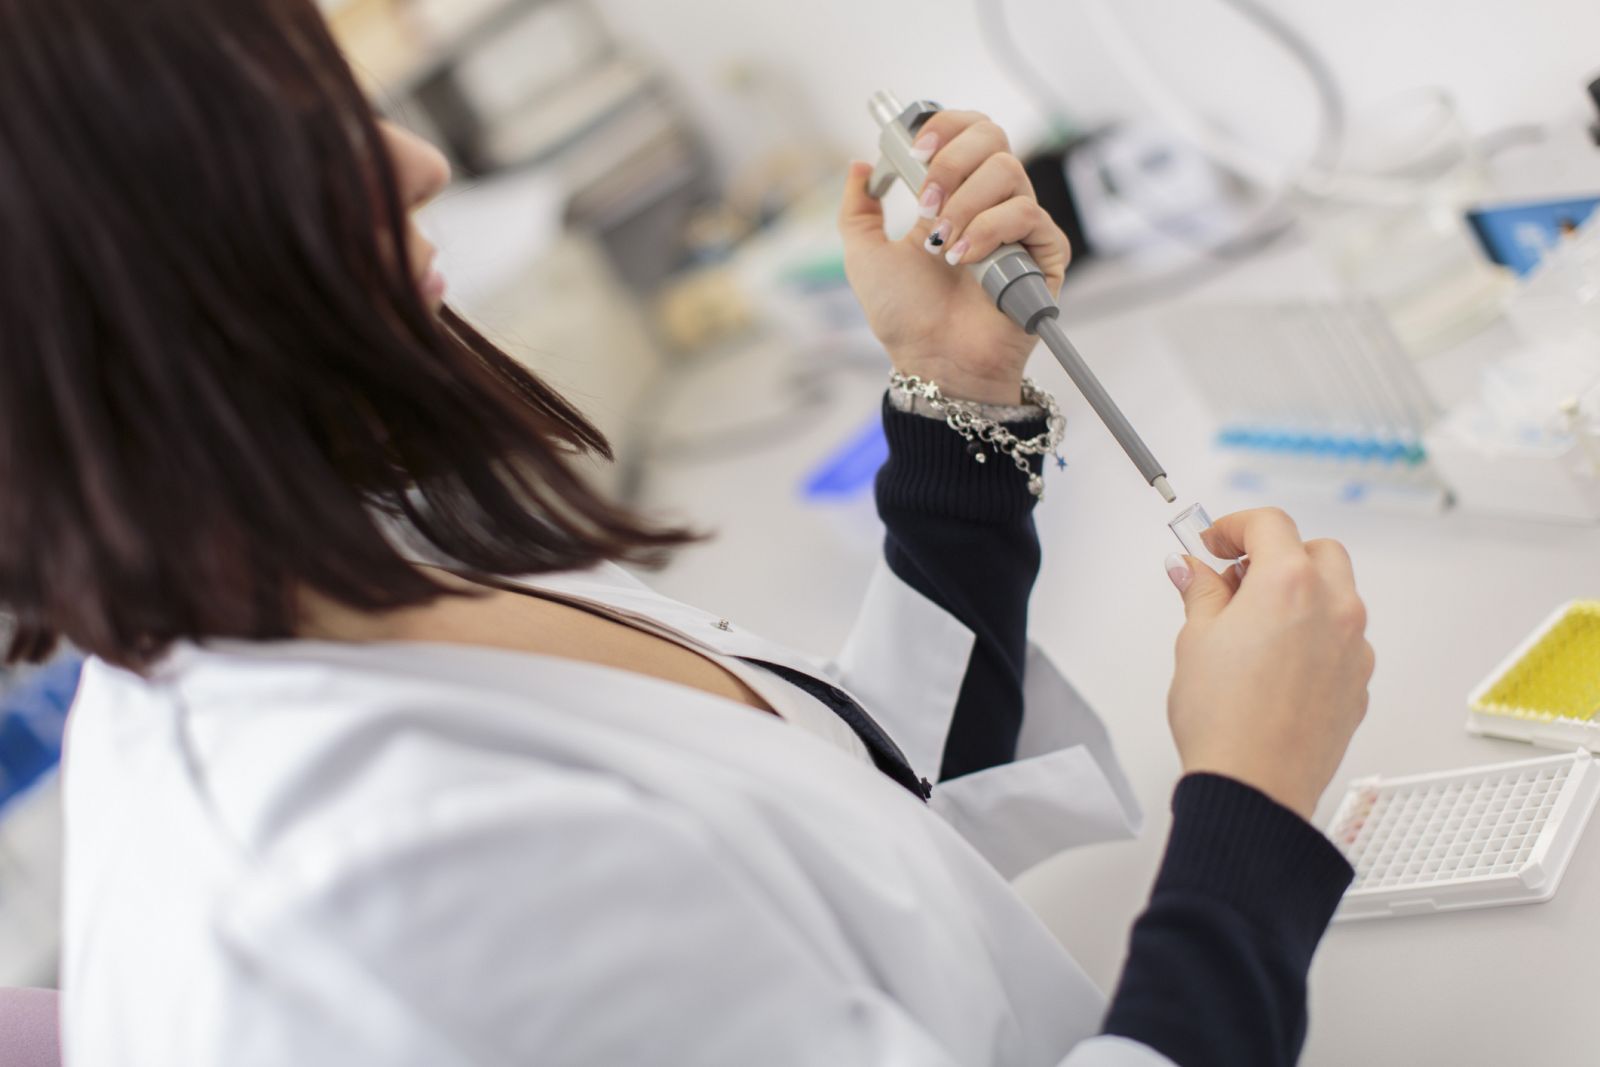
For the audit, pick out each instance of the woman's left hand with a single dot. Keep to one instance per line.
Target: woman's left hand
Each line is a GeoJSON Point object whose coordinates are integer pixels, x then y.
{"type": "Point", "coordinates": [933, 317]}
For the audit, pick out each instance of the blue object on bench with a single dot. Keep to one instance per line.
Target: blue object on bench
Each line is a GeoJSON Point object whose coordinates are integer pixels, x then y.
{"type": "Point", "coordinates": [850, 470]}
{"type": "Point", "coordinates": [1516, 235]}
{"type": "Point", "coordinates": [33, 714]}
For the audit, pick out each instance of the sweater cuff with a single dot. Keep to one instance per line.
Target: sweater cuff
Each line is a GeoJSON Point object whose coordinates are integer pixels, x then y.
{"type": "Point", "coordinates": [931, 470]}
{"type": "Point", "coordinates": [1233, 843]}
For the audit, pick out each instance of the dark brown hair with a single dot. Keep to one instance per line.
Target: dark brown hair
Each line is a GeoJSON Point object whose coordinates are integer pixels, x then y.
{"type": "Point", "coordinates": [215, 366]}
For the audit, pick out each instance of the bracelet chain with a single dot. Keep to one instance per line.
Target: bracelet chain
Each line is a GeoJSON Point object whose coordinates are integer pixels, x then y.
{"type": "Point", "coordinates": [966, 419]}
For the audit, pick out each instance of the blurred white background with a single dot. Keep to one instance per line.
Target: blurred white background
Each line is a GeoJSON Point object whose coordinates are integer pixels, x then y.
{"type": "Point", "coordinates": [1505, 61]}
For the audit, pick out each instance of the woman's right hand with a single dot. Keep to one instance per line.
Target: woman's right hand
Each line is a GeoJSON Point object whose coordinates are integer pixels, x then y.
{"type": "Point", "coordinates": [1272, 672]}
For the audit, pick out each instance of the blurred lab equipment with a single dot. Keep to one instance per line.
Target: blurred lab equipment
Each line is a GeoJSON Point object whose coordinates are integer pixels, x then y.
{"type": "Point", "coordinates": [1519, 235]}
{"type": "Point", "coordinates": [1401, 204]}
{"type": "Point", "coordinates": [1152, 190]}
{"type": "Point", "coordinates": [1311, 396]}
{"type": "Point", "coordinates": [1323, 173]}
{"type": "Point", "coordinates": [1594, 98]}
{"type": "Point", "coordinates": [1413, 253]}
{"type": "Point", "coordinates": [1137, 190]}
{"type": "Point", "coordinates": [1332, 396]}
{"type": "Point", "coordinates": [517, 84]}
{"type": "Point", "coordinates": [1527, 445]}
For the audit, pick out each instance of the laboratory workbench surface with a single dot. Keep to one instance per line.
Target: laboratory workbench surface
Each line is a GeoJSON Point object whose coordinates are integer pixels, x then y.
{"type": "Point", "coordinates": [1448, 596]}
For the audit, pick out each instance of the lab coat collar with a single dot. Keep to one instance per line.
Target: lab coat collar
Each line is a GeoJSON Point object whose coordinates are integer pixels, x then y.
{"type": "Point", "coordinates": [904, 662]}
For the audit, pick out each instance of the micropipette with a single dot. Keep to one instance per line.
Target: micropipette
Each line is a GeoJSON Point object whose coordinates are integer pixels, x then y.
{"type": "Point", "coordinates": [1010, 276]}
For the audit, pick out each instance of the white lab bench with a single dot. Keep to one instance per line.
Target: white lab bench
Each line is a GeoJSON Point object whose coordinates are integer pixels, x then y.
{"type": "Point", "coordinates": [1449, 595]}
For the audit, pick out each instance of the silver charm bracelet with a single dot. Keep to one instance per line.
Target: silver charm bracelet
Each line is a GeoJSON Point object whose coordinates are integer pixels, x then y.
{"type": "Point", "coordinates": [966, 419]}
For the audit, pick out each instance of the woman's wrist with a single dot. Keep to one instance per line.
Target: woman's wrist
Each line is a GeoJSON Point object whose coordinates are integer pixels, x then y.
{"type": "Point", "coordinates": [912, 404]}
{"type": "Point", "coordinates": [1000, 385]}
{"type": "Point", "coordinates": [986, 434]}
{"type": "Point", "coordinates": [1229, 832]}
{"type": "Point", "coordinates": [1266, 775]}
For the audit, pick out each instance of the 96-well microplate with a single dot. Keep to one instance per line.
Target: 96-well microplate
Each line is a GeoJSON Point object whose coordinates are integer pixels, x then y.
{"type": "Point", "coordinates": [1472, 838]}
{"type": "Point", "coordinates": [1548, 690]}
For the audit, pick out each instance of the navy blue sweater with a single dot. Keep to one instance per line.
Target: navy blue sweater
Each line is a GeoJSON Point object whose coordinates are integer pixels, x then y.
{"type": "Point", "coordinates": [1216, 969]}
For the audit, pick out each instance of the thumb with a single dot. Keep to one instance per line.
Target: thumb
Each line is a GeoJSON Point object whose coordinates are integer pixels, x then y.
{"type": "Point", "coordinates": [860, 215]}
{"type": "Point", "coordinates": [1205, 592]}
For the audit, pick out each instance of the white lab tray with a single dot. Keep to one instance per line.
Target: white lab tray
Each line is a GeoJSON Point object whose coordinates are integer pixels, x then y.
{"type": "Point", "coordinates": [1472, 838]}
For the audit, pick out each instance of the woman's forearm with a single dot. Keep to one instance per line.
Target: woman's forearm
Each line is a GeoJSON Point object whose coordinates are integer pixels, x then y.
{"type": "Point", "coordinates": [961, 533]}
{"type": "Point", "coordinates": [1216, 970]}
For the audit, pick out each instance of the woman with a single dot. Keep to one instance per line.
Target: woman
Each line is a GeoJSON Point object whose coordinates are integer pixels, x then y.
{"type": "Point", "coordinates": [381, 759]}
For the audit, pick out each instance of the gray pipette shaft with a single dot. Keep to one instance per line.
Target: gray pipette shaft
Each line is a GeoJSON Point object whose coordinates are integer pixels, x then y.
{"type": "Point", "coordinates": [1050, 331]}
{"type": "Point", "coordinates": [1011, 277]}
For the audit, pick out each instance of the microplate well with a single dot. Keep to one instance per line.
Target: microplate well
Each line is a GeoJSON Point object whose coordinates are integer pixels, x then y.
{"type": "Point", "coordinates": [1548, 690]}
{"type": "Point", "coordinates": [1473, 838]}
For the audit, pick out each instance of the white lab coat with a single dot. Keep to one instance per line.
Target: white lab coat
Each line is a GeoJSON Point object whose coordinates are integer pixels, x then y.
{"type": "Point", "coordinates": [325, 855]}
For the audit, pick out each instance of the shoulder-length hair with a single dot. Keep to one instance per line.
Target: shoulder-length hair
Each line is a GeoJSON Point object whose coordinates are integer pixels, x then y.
{"type": "Point", "coordinates": [216, 372]}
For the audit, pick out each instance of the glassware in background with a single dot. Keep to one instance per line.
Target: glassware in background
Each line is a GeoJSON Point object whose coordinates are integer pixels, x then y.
{"type": "Point", "coordinates": [1394, 228]}
{"type": "Point", "coordinates": [1528, 444]}
{"type": "Point", "coordinates": [1311, 398]}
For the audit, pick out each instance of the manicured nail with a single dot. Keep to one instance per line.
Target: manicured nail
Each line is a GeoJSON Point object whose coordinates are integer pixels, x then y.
{"type": "Point", "coordinates": [931, 200]}
{"type": "Point", "coordinates": [1178, 570]}
{"type": "Point", "coordinates": [957, 250]}
{"type": "Point", "coordinates": [936, 239]}
{"type": "Point", "coordinates": [923, 147]}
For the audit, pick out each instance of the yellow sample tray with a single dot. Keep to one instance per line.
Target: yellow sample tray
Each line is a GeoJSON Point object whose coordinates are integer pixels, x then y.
{"type": "Point", "coordinates": [1547, 691]}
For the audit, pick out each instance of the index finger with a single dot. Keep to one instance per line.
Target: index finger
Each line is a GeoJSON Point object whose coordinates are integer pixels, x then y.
{"type": "Point", "coordinates": [1260, 533]}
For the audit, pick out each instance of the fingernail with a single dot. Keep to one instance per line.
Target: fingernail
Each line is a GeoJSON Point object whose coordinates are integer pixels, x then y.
{"type": "Point", "coordinates": [1178, 570]}
{"type": "Point", "coordinates": [957, 250]}
{"type": "Point", "coordinates": [923, 147]}
{"type": "Point", "coordinates": [932, 197]}
{"type": "Point", "coordinates": [936, 239]}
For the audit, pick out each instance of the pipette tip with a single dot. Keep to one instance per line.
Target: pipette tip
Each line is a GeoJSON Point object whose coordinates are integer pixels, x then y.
{"type": "Point", "coordinates": [1164, 489]}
